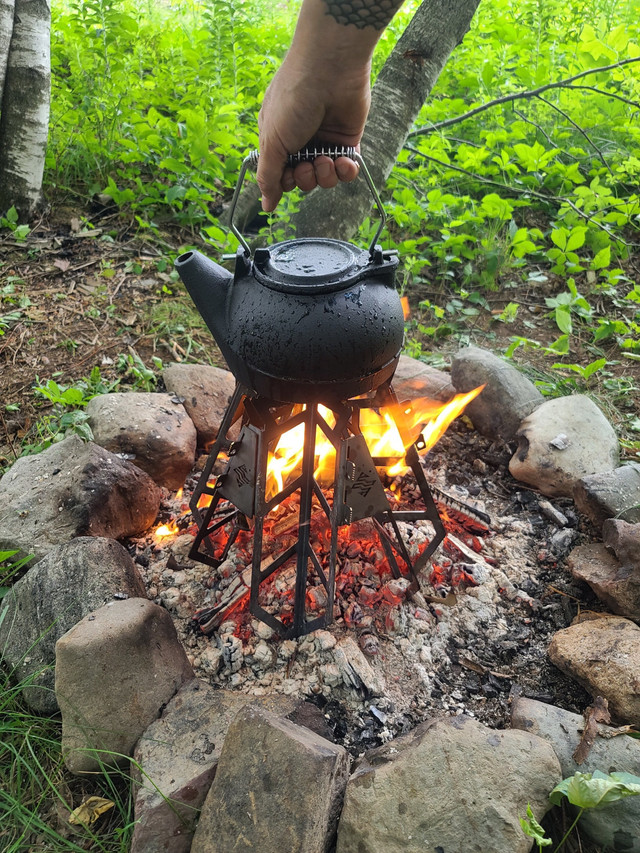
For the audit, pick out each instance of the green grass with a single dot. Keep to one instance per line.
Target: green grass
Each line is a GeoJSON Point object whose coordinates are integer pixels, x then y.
{"type": "Point", "coordinates": [37, 793]}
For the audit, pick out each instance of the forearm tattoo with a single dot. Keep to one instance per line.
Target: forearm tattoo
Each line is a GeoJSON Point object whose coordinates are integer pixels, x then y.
{"type": "Point", "coordinates": [363, 13]}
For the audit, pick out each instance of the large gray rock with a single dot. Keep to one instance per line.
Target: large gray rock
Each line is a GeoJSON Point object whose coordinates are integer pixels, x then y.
{"type": "Point", "coordinates": [70, 582]}
{"type": "Point", "coordinates": [506, 399]}
{"type": "Point", "coordinates": [610, 494]}
{"type": "Point", "coordinates": [603, 654]}
{"type": "Point", "coordinates": [74, 488]}
{"type": "Point", "coordinates": [618, 586]}
{"type": "Point", "coordinates": [115, 670]}
{"type": "Point", "coordinates": [414, 378]}
{"type": "Point", "coordinates": [175, 762]}
{"type": "Point", "coordinates": [451, 785]}
{"type": "Point", "coordinates": [562, 441]}
{"type": "Point", "coordinates": [153, 430]}
{"type": "Point", "coordinates": [616, 827]}
{"type": "Point", "coordinates": [205, 391]}
{"type": "Point", "coordinates": [278, 787]}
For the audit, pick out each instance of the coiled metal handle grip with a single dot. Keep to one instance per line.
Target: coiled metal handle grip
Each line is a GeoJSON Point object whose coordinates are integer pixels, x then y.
{"type": "Point", "coordinates": [308, 155]}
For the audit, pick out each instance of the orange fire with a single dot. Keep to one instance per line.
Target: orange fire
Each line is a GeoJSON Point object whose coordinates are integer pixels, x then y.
{"type": "Point", "coordinates": [406, 311]}
{"type": "Point", "coordinates": [389, 433]}
{"type": "Point", "coordinates": [166, 530]}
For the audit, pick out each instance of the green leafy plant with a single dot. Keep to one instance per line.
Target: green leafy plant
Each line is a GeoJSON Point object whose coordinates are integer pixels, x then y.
{"type": "Point", "coordinates": [532, 829]}
{"type": "Point", "coordinates": [67, 415]}
{"type": "Point", "coordinates": [584, 791]}
{"type": "Point", "coordinates": [136, 373]}
{"type": "Point", "coordinates": [567, 304]}
{"type": "Point", "coordinates": [11, 564]}
{"type": "Point", "coordinates": [10, 221]}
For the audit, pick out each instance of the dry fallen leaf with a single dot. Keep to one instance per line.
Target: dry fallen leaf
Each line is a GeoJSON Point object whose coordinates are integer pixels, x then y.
{"type": "Point", "coordinates": [62, 264]}
{"type": "Point", "coordinates": [596, 713]}
{"type": "Point", "coordinates": [89, 812]}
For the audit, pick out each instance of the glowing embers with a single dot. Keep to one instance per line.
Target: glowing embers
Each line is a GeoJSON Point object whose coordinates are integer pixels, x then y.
{"type": "Point", "coordinates": [314, 463]}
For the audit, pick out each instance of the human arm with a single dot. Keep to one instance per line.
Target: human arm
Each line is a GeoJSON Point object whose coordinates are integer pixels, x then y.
{"type": "Point", "coordinates": [321, 92]}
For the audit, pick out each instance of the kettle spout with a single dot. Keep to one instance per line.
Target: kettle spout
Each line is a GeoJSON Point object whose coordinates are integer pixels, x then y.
{"type": "Point", "coordinates": [208, 285]}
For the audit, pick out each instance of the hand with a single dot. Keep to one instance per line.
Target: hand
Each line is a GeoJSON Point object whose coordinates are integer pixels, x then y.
{"type": "Point", "coordinates": [304, 104]}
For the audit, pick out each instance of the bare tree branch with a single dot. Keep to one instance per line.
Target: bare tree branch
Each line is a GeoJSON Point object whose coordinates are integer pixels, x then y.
{"type": "Point", "coordinates": [579, 129]}
{"type": "Point", "coordinates": [538, 127]}
{"type": "Point", "coordinates": [615, 95]}
{"type": "Point", "coordinates": [516, 96]}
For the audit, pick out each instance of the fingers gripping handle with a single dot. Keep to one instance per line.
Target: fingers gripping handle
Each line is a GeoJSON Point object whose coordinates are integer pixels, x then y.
{"type": "Point", "coordinates": [308, 155]}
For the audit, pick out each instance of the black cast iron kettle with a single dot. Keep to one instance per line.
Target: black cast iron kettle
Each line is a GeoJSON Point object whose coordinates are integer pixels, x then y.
{"type": "Point", "coordinates": [303, 320]}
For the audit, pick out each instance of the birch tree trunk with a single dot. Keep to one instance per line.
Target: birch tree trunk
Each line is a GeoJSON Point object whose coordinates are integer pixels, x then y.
{"type": "Point", "coordinates": [24, 102]}
{"type": "Point", "coordinates": [399, 93]}
{"type": "Point", "coordinates": [6, 26]}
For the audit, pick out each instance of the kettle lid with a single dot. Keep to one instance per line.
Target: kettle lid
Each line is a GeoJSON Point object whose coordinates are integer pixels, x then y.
{"type": "Point", "coordinates": [312, 265]}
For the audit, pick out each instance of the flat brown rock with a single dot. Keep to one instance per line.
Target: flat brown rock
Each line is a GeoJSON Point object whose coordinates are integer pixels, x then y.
{"type": "Point", "coordinates": [618, 586]}
{"type": "Point", "coordinates": [151, 430]}
{"type": "Point", "coordinates": [278, 787]}
{"type": "Point", "coordinates": [414, 379]}
{"type": "Point", "coordinates": [604, 656]}
{"type": "Point", "coordinates": [205, 392]}
{"type": "Point", "coordinates": [450, 784]}
{"type": "Point", "coordinates": [175, 761]}
{"type": "Point", "coordinates": [624, 539]}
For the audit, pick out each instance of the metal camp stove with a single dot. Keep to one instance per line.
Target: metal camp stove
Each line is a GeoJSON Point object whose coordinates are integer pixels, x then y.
{"type": "Point", "coordinates": [239, 500]}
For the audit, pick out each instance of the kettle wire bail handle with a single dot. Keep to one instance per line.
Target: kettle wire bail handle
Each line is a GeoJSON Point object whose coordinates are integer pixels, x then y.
{"type": "Point", "coordinates": [303, 156]}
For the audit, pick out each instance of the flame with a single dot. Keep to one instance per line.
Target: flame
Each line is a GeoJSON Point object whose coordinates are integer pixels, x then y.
{"type": "Point", "coordinates": [389, 432]}
{"type": "Point", "coordinates": [406, 311]}
{"type": "Point", "coordinates": [286, 458]}
{"type": "Point", "coordinates": [170, 529]}
{"type": "Point", "coordinates": [204, 501]}
{"type": "Point", "coordinates": [425, 421]}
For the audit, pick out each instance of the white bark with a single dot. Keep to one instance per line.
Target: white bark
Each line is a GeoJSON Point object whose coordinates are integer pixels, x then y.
{"type": "Point", "coordinates": [6, 28]}
{"type": "Point", "coordinates": [24, 120]}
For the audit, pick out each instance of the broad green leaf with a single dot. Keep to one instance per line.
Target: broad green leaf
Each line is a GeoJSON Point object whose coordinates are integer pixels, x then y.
{"type": "Point", "coordinates": [559, 347]}
{"type": "Point", "coordinates": [602, 259]}
{"type": "Point", "coordinates": [559, 237]}
{"type": "Point", "coordinates": [589, 791]}
{"type": "Point", "coordinates": [562, 317]}
{"type": "Point", "coordinates": [487, 74]}
{"type": "Point", "coordinates": [592, 368]}
{"type": "Point", "coordinates": [576, 238]}
{"type": "Point", "coordinates": [174, 192]}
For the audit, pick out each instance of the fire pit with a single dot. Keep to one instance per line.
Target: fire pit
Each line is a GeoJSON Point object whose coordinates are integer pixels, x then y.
{"type": "Point", "coordinates": [292, 452]}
